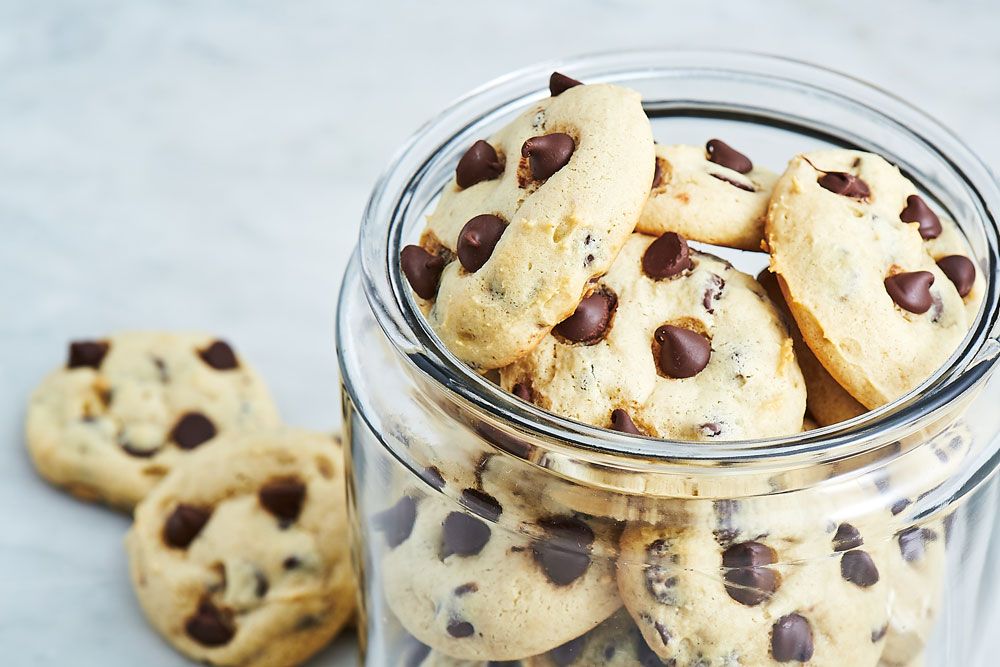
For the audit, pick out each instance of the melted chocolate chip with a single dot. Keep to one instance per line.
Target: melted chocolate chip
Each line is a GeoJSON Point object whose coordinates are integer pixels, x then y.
{"type": "Point", "coordinates": [564, 554]}
{"type": "Point", "coordinates": [792, 639]}
{"type": "Point", "coordinates": [568, 653]}
{"type": "Point", "coordinates": [422, 270]}
{"type": "Point", "coordinates": [857, 567]}
{"type": "Point", "coordinates": [666, 257]}
{"type": "Point", "coordinates": [482, 504]}
{"type": "Point", "coordinates": [283, 498]}
{"type": "Point", "coordinates": [478, 239]}
{"type": "Point", "coordinates": [184, 524]}
{"type": "Point", "coordinates": [842, 183]}
{"type": "Point", "coordinates": [960, 271]}
{"type": "Point", "coordinates": [911, 291]}
{"type": "Point", "coordinates": [591, 320]}
{"type": "Point", "coordinates": [87, 353]}
{"type": "Point", "coordinates": [460, 629]}
{"type": "Point", "coordinates": [846, 538]}
{"type": "Point", "coordinates": [713, 292]}
{"type": "Point", "coordinates": [548, 153]}
{"type": "Point", "coordinates": [396, 523]}
{"type": "Point", "coordinates": [742, 186]}
{"type": "Point", "coordinates": [480, 163]}
{"type": "Point", "coordinates": [192, 429]}
{"type": "Point", "coordinates": [725, 155]}
{"type": "Point", "coordinates": [523, 391]}
{"type": "Point", "coordinates": [657, 174]}
{"type": "Point", "coordinates": [682, 353]}
{"type": "Point", "coordinates": [918, 211]}
{"type": "Point", "coordinates": [913, 542]}
{"type": "Point", "coordinates": [210, 626]}
{"type": "Point", "coordinates": [220, 356]}
{"type": "Point", "coordinates": [463, 535]}
{"type": "Point", "coordinates": [748, 582]}
{"type": "Point", "coordinates": [560, 83]}
{"type": "Point", "coordinates": [622, 422]}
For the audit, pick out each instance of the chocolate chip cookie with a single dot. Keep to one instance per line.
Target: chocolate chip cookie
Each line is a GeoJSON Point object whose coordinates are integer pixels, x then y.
{"type": "Point", "coordinates": [125, 409]}
{"type": "Point", "coordinates": [240, 557]}
{"type": "Point", "coordinates": [616, 642]}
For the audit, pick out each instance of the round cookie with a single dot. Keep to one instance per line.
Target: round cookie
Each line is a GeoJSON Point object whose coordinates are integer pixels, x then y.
{"type": "Point", "coordinates": [126, 409]}
{"type": "Point", "coordinates": [241, 555]}
{"type": "Point", "coordinates": [749, 591]}
{"type": "Point", "coordinates": [531, 217]}
{"type": "Point", "coordinates": [712, 194]}
{"type": "Point", "coordinates": [869, 300]}
{"type": "Point", "coordinates": [669, 344]}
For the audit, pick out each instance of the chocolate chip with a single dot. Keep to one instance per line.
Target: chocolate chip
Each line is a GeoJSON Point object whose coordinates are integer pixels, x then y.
{"type": "Point", "coordinates": [184, 524]}
{"type": "Point", "coordinates": [480, 163]}
{"type": "Point", "coordinates": [465, 589]}
{"type": "Point", "coordinates": [622, 422]}
{"type": "Point", "coordinates": [548, 153]}
{"type": "Point", "coordinates": [591, 320]}
{"type": "Point", "coordinates": [132, 450]}
{"type": "Point", "coordinates": [568, 653]}
{"type": "Point", "coordinates": [960, 271]}
{"type": "Point", "coordinates": [842, 183]}
{"type": "Point", "coordinates": [220, 356]}
{"type": "Point", "coordinates": [857, 567]}
{"type": "Point", "coordinates": [846, 538]}
{"type": "Point", "coordinates": [422, 270]}
{"type": "Point", "coordinates": [661, 581]}
{"type": "Point", "coordinates": [918, 211]}
{"type": "Point", "coordinates": [523, 391]}
{"type": "Point", "coordinates": [792, 639]}
{"type": "Point", "coordinates": [564, 554]}
{"type": "Point", "coordinates": [396, 523]}
{"type": "Point", "coordinates": [210, 626]}
{"type": "Point", "coordinates": [87, 353]}
{"type": "Point", "coordinates": [713, 292]}
{"type": "Point", "coordinates": [710, 429]}
{"type": "Point", "coordinates": [463, 535]}
{"type": "Point", "coordinates": [560, 83]}
{"type": "Point", "coordinates": [283, 498]}
{"type": "Point", "coordinates": [911, 291]}
{"type": "Point", "coordinates": [899, 506]}
{"type": "Point", "coordinates": [878, 634]}
{"type": "Point", "coordinates": [460, 629]}
{"type": "Point", "coordinates": [434, 477]}
{"type": "Point", "coordinates": [482, 504]}
{"type": "Point", "coordinates": [723, 154]}
{"type": "Point", "coordinates": [666, 257]}
{"type": "Point", "coordinates": [478, 239]}
{"type": "Point", "coordinates": [741, 186]}
{"type": "Point", "coordinates": [291, 563]}
{"type": "Point", "coordinates": [913, 542]}
{"type": "Point", "coordinates": [263, 585]}
{"type": "Point", "coordinates": [682, 353]}
{"type": "Point", "coordinates": [192, 429]}
{"type": "Point", "coordinates": [657, 174]}
{"type": "Point", "coordinates": [748, 582]}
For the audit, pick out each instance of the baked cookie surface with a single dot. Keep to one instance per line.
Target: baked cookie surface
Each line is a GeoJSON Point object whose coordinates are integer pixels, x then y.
{"type": "Point", "coordinates": [125, 409]}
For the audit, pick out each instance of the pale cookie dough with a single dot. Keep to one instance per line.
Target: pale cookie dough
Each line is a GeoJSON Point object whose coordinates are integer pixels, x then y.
{"type": "Point", "coordinates": [952, 243]}
{"type": "Point", "coordinates": [569, 199]}
{"type": "Point", "coordinates": [126, 409]}
{"type": "Point", "coordinates": [610, 358]}
{"type": "Point", "coordinates": [726, 587]}
{"type": "Point", "coordinates": [615, 643]}
{"type": "Point", "coordinates": [707, 201]}
{"type": "Point", "coordinates": [240, 557]}
{"type": "Point", "coordinates": [853, 275]}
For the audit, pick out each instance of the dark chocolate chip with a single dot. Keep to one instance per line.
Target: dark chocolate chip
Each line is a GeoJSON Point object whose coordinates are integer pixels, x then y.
{"type": "Point", "coordinates": [184, 524]}
{"type": "Point", "coordinates": [478, 239]}
{"type": "Point", "coordinates": [682, 353]}
{"type": "Point", "coordinates": [262, 585]}
{"type": "Point", "coordinates": [713, 292]}
{"type": "Point", "coordinates": [918, 211]}
{"type": "Point", "coordinates": [960, 271]}
{"type": "Point", "coordinates": [857, 567]}
{"type": "Point", "coordinates": [899, 506]}
{"type": "Point", "coordinates": [460, 629]}
{"type": "Point", "coordinates": [132, 450]}
{"type": "Point", "coordinates": [220, 356]}
{"type": "Point", "coordinates": [742, 186]}
{"type": "Point", "coordinates": [523, 391]}
{"type": "Point", "coordinates": [396, 523]}
{"type": "Point", "coordinates": [842, 183]}
{"type": "Point", "coordinates": [792, 639]}
{"type": "Point", "coordinates": [433, 477]}
{"type": "Point", "coordinates": [568, 653]}
{"type": "Point", "coordinates": [548, 153]}
{"type": "Point", "coordinates": [192, 429]}
{"type": "Point", "coordinates": [723, 154]}
{"type": "Point", "coordinates": [480, 163]}
{"type": "Point", "coordinates": [748, 582]}
{"type": "Point", "coordinates": [591, 320]}
{"type": "Point", "coordinates": [661, 581]}
{"type": "Point", "coordinates": [878, 634]}
{"type": "Point", "coordinates": [465, 589]}
{"type": "Point", "coordinates": [560, 83]}
{"type": "Point", "coordinates": [911, 291]}
{"type": "Point", "coordinates": [482, 504]}
{"type": "Point", "coordinates": [564, 553]}
{"type": "Point", "coordinates": [422, 270]}
{"type": "Point", "coordinates": [87, 353]}
{"type": "Point", "coordinates": [463, 535]}
{"type": "Point", "coordinates": [210, 626]}
{"type": "Point", "coordinates": [657, 174]}
{"type": "Point", "coordinates": [913, 542]}
{"type": "Point", "coordinates": [666, 257]}
{"type": "Point", "coordinates": [283, 498]}
{"type": "Point", "coordinates": [846, 538]}
{"type": "Point", "coordinates": [291, 563]}
{"type": "Point", "coordinates": [622, 422]}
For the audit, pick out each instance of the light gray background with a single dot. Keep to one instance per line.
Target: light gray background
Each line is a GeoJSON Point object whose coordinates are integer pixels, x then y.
{"type": "Point", "coordinates": [204, 165]}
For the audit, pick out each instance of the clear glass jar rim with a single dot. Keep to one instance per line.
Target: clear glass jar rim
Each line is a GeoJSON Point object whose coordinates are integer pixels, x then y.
{"type": "Point", "coordinates": [394, 310]}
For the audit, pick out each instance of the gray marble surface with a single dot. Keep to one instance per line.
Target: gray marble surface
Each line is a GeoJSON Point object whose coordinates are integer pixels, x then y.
{"type": "Point", "coordinates": [204, 165]}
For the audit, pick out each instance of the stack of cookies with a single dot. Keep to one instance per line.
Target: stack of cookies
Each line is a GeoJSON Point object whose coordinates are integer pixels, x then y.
{"type": "Point", "coordinates": [239, 551]}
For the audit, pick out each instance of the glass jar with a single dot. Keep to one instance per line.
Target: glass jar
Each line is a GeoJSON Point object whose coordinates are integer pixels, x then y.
{"type": "Point", "coordinates": [488, 531]}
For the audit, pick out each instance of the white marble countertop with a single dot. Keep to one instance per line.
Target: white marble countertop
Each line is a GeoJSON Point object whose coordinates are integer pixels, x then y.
{"type": "Point", "coordinates": [204, 165]}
